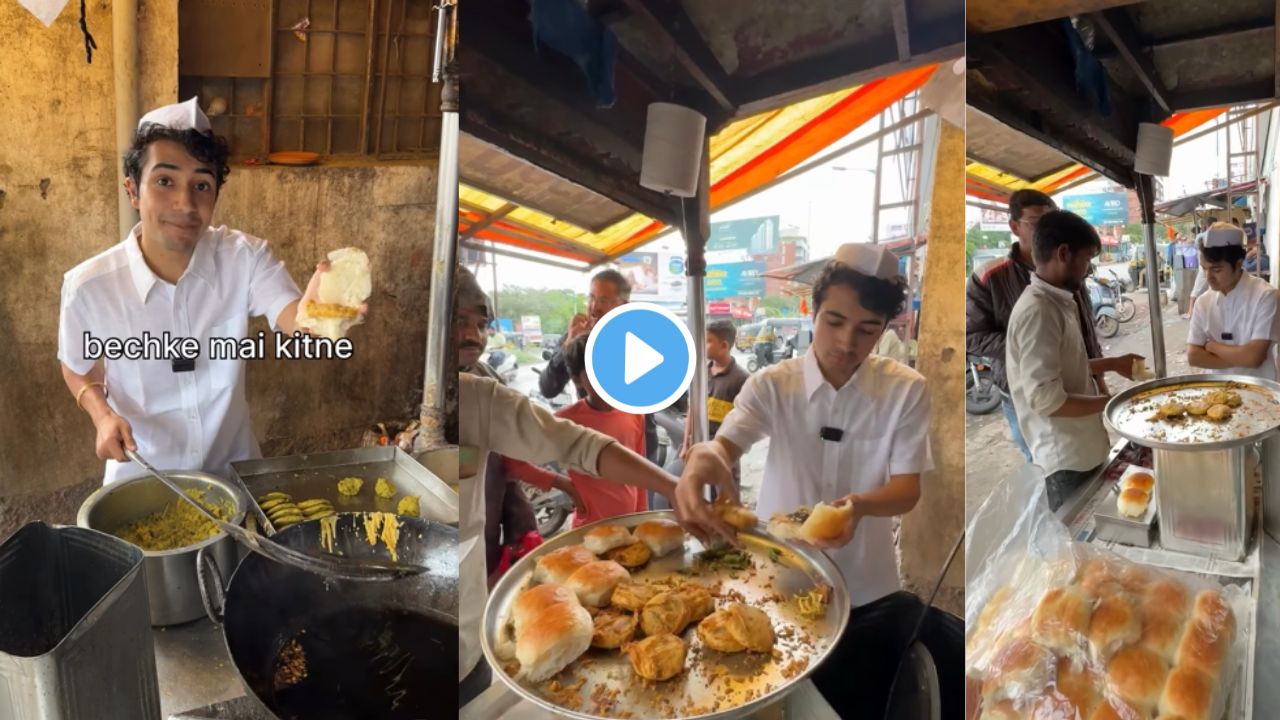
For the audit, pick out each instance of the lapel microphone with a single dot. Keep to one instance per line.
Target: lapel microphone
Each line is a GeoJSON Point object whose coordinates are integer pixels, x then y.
{"type": "Point", "coordinates": [183, 364]}
{"type": "Point", "coordinates": [831, 434]}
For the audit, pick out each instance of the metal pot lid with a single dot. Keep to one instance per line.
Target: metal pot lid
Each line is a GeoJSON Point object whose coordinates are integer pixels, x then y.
{"type": "Point", "coordinates": [1132, 412]}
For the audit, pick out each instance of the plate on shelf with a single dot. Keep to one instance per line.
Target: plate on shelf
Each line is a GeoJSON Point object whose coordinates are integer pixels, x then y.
{"type": "Point", "coordinates": [294, 157]}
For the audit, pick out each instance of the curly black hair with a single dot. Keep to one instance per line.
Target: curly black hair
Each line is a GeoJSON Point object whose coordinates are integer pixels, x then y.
{"type": "Point", "coordinates": [887, 298]}
{"type": "Point", "coordinates": [207, 148]}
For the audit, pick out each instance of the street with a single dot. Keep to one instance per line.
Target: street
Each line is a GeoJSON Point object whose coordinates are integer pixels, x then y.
{"type": "Point", "coordinates": [991, 456]}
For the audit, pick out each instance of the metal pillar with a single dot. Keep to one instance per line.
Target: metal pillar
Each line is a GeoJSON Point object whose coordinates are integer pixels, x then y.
{"type": "Point", "coordinates": [696, 231]}
{"type": "Point", "coordinates": [1146, 196]}
{"type": "Point", "coordinates": [441, 377]}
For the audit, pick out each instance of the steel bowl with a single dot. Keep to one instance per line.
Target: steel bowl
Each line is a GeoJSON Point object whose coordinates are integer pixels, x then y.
{"type": "Point", "coordinates": [172, 585]}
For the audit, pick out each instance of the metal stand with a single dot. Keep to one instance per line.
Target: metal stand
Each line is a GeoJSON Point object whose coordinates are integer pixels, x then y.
{"type": "Point", "coordinates": [441, 377]}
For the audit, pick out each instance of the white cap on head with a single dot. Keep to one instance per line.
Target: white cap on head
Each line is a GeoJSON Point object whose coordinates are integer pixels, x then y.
{"type": "Point", "coordinates": [873, 260]}
{"type": "Point", "coordinates": [179, 116]}
{"type": "Point", "coordinates": [1222, 235]}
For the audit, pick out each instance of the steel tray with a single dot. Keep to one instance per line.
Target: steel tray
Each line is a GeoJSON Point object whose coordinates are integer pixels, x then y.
{"type": "Point", "coordinates": [750, 683]}
{"type": "Point", "coordinates": [316, 476]}
{"type": "Point", "coordinates": [1129, 413]}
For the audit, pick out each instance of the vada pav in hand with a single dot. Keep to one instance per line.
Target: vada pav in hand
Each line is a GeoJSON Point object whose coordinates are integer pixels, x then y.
{"type": "Point", "coordinates": [823, 526]}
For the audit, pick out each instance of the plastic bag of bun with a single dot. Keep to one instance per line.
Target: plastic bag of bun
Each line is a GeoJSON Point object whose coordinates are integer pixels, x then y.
{"type": "Point", "coordinates": [1063, 630]}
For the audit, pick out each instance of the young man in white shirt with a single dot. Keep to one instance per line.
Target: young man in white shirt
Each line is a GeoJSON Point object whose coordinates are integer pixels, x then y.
{"type": "Point", "coordinates": [1233, 325]}
{"type": "Point", "coordinates": [849, 428]}
{"type": "Point", "coordinates": [1051, 377]}
{"type": "Point", "coordinates": [173, 273]}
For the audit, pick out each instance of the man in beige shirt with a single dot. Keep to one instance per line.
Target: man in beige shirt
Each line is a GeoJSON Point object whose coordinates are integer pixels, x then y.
{"type": "Point", "coordinates": [494, 418]}
{"type": "Point", "coordinates": [1051, 376]}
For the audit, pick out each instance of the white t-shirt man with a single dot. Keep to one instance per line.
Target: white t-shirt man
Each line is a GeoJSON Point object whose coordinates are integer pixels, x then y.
{"type": "Point", "coordinates": [196, 420]}
{"type": "Point", "coordinates": [1046, 362]}
{"type": "Point", "coordinates": [884, 413]}
{"type": "Point", "coordinates": [1239, 317]}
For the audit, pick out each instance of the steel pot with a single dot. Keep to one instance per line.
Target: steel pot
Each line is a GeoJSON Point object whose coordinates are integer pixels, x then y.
{"type": "Point", "coordinates": [172, 587]}
{"type": "Point", "coordinates": [371, 649]}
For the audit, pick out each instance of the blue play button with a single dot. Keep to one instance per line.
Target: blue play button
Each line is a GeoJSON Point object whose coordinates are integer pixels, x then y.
{"type": "Point", "coordinates": [640, 358]}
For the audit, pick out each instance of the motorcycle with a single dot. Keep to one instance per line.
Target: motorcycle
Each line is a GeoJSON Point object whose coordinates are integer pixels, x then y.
{"type": "Point", "coordinates": [981, 395]}
{"type": "Point", "coordinates": [503, 363]}
{"type": "Point", "coordinates": [1105, 316]}
{"type": "Point", "coordinates": [551, 508]}
{"type": "Point", "coordinates": [563, 400]}
{"type": "Point", "coordinates": [1116, 288]}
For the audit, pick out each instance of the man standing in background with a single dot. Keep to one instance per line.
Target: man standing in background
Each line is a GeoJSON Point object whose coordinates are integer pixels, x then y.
{"type": "Point", "coordinates": [609, 289]}
{"type": "Point", "coordinates": [994, 289]}
{"type": "Point", "coordinates": [1051, 375]}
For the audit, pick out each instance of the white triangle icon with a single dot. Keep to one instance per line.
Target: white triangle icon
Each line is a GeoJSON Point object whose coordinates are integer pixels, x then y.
{"type": "Point", "coordinates": [639, 359]}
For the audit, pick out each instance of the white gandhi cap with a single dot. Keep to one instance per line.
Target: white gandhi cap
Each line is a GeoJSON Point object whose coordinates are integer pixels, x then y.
{"type": "Point", "coordinates": [179, 116]}
{"type": "Point", "coordinates": [873, 260]}
{"type": "Point", "coordinates": [1222, 235]}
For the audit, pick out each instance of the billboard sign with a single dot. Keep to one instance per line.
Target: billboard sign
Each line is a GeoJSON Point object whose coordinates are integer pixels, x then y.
{"type": "Point", "coordinates": [994, 220]}
{"type": "Point", "coordinates": [531, 327]}
{"type": "Point", "coordinates": [735, 280]}
{"type": "Point", "coordinates": [641, 270]}
{"type": "Point", "coordinates": [1099, 208]}
{"type": "Point", "coordinates": [738, 240]}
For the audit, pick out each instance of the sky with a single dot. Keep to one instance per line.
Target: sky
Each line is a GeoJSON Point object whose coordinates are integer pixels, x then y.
{"type": "Point", "coordinates": [830, 205]}
{"type": "Point", "coordinates": [1194, 164]}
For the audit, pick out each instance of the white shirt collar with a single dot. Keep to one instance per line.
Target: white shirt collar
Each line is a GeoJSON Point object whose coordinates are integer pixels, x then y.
{"type": "Point", "coordinates": [144, 279]}
{"type": "Point", "coordinates": [814, 380]}
{"type": "Point", "coordinates": [1053, 290]}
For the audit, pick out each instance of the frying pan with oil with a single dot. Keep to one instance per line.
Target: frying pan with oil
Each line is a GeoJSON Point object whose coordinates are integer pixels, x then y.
{"type": "Point", "coordinates": [386, 649]}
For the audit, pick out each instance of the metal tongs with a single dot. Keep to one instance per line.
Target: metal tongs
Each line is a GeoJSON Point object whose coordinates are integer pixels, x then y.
{"type": "Point", "coordinates": [336, 566]}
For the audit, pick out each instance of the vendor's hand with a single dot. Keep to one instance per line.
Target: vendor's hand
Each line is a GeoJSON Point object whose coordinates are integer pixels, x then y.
{"type": "Point", "coordinates": [313, 292]}
{"type": "Point", "coordinates": [846, 536]}
{"type": "Point", "coordinates": [578, 325]}
{"type": "Point", "coordinates": [565, 485]}
{"type": "Point", "coordinates": [115, 435]}
{"type": "Point", "coordinates": [1123, 365]}
{"type": "Point", "coordinates": [702, 468]}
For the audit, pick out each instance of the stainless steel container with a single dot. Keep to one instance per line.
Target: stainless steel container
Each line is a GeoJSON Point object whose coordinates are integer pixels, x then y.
{"type": "Point", "coordinates": [1202, 500]}
{"type": "Point", "coordinates": [1204, 487]}
{"type": "Point", "coordinates": [74, 641]}
{"type": "Point", "coordinates": [172, 587]}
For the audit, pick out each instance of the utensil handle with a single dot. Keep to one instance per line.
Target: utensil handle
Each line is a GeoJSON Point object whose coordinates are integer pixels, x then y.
{"type": "Point", "coordinates": [206, 571]}
{"type": "Point", "coordinates": [174, 486]}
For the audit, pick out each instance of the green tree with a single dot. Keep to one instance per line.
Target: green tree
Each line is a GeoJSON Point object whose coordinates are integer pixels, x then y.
{"type": "Point", "coordinates": [554, 307]}
{"type": "Point", "coordinates": [975, 238]}
{"type": "Point", "coordinates": [780, 306]}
